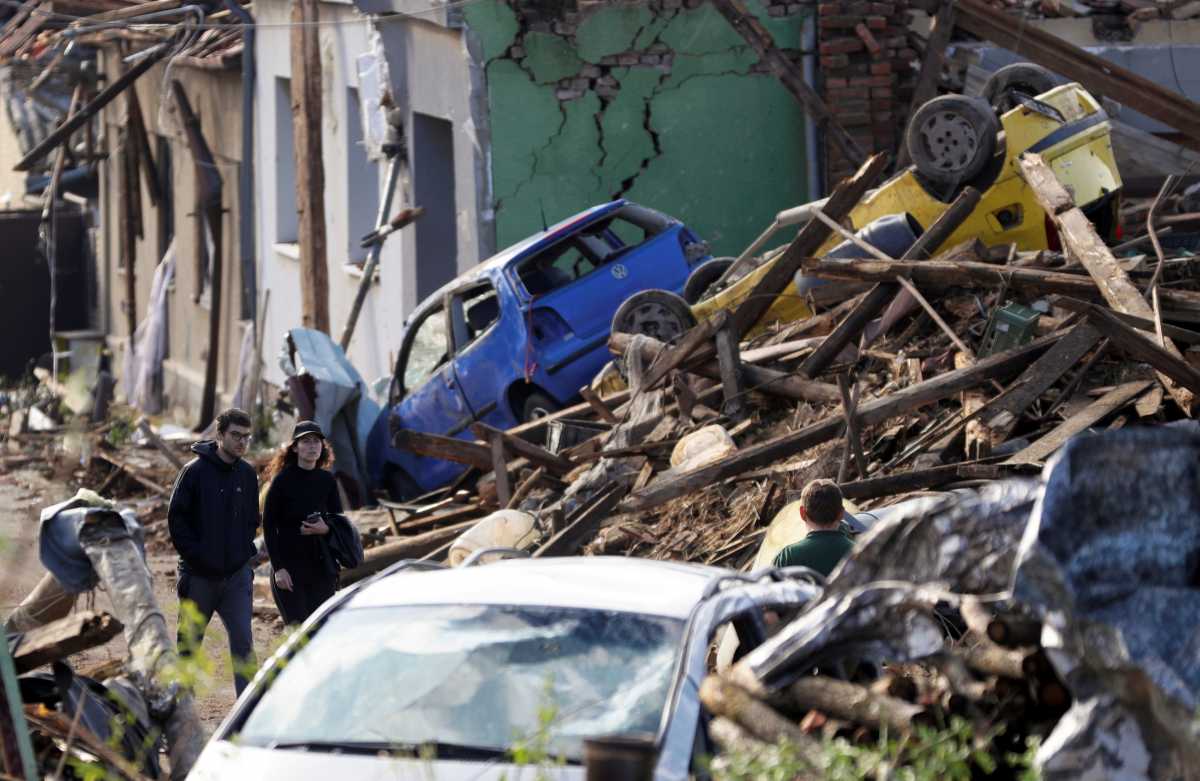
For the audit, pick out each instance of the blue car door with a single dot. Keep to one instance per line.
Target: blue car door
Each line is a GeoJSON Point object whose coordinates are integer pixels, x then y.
{"type": "Point", "coordinates": [489, 348]}
{"type": "Point", "coordinates": [436, 403]}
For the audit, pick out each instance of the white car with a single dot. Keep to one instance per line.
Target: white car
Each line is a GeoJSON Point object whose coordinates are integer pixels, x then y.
{"type": "Point", "coordinates": [437, 673]}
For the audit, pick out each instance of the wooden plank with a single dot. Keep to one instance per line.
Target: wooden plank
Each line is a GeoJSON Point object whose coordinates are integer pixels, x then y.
{"type": "Point", "coordinates": [1083, 244]}
{"type": "Point", "coordinates": [162, 447]}
{"type": "Point", "coordinates": [76, 121]}
{"type": "Point", "coordinates": [446, 448]}
{"type": "Point", "coordinates": [940, 30]}
{"type": "Point", "coordinates": [1004, 411]}
{"type": "Point", "coordinates": [59, 639]}
{"type": "Point", "coordinates": [1134, 344]}
{"type": "Point", "coordinates": [881, 295]}
{"type": "Point", "coordinates": [1173, 332]}
{"type": "Point", "coordinates": [525, 488]}
{"type": "Point", "coordinates": [921, 479]}
{"type": "Point", "coordinates": [853, 432]}
{"type": "Point", "coordinates": [583, 525]}
{"type": "Point", "coordinates": [1116, 398]}
{"type": "Point", "coordinates": [500, 470]}
{"type": "Point", "coordinates": [1097, 75]}
{"type": "Point", "coordinates": [730, 368]}
{"type": "Point", "coordinates": [939, 274]}
{"type": "Point", "coordinates": [556, 465]}
{"type": "Point", "coordinates": [581, 410]}
{"type": "Point", "coordinates": [598, 406]}
{"type": "Point", "coordinates": [789, 74]}
{"type": "Point", "coordinates": [137, 125]}
{"type": "Point", "coordinates": [133, 473]}
{"type": "Point", "coordinates": [697, 338]}
{"type": "Point", "coordinates": [769, 381]}
{"type": "Point", "coordinates": [310, 166]}
{"type": "Point", "coordinates": [810, 238]}
{"type": "Point", "coordinates": [873, 412]}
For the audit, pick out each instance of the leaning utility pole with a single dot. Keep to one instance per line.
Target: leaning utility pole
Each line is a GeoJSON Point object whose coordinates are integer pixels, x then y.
{"type": "Point", "coordinates": [310, 172]}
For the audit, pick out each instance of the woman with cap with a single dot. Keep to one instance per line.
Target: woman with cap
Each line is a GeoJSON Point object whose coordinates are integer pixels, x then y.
{"type": "Point", "coordinates": [301, 492]}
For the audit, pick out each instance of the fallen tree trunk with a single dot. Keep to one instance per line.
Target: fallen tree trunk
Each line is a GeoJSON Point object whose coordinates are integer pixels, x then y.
{"type": "Point", "coordinates": [849, 701]}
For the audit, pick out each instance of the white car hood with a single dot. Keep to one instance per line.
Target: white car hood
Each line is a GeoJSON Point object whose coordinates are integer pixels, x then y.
{"type": "Point", "coordinates": [223, 759]}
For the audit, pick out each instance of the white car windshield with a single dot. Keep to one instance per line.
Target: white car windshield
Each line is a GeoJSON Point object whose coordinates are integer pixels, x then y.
{"type": "Point", "coordinates": [483, 677]}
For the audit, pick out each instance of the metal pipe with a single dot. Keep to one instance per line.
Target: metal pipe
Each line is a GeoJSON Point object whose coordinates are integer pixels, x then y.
{"type": "Point", "coordinates": [808, 63]}
{"type": "Point", "coordinates": [381, 220]}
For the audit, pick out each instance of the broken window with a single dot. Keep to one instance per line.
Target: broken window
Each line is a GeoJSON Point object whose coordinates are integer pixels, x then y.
{"type": "Point", "coordinates": [427, 347]}
{"type": "Point", "coordinates": [471, 676]}
{"type": "Point", "coordinates": [472, 312]}
{"type": "Point", "coordinates": [597, 244]}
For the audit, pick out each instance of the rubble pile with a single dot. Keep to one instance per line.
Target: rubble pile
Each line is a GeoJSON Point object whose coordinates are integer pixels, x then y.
{"type": "Point", "coordinates": [1084, 650]}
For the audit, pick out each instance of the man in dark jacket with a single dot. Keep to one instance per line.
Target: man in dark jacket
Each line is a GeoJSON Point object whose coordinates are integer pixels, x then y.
{"type": "Point", "coordinates": [213, 519]}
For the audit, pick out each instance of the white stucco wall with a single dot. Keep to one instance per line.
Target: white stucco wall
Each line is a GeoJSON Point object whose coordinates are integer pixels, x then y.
{"type": "Point", "coordinates": [433, 73]}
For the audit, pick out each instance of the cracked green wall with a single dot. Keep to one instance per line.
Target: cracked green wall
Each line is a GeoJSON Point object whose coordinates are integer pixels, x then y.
{"type": "Point", "coordinates": [706, 139]}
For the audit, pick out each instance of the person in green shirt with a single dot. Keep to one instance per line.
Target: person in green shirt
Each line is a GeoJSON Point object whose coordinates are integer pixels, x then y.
{"type": "Point", "coordinates": [825, 544]}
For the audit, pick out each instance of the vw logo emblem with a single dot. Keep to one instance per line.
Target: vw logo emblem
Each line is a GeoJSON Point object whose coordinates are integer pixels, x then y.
{"type": "Point", "coordinates": [619, 271]}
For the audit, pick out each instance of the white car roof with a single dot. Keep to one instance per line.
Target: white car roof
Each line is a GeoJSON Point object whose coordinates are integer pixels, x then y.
{"type": "Point", "coordinates": [660, 588]}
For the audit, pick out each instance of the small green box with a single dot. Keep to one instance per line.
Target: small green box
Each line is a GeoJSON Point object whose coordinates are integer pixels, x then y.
{"type": "Point", "coordinates": [1009, 326]}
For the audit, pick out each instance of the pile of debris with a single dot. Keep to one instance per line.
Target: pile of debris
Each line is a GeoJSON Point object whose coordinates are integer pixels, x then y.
{"type": "Point", "coordinates": [1020, 352]}
{"type": "Point", "coordinates": [1092, 652]}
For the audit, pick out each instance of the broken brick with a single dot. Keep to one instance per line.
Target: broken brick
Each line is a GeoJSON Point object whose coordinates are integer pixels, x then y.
{"type": "Point", "coordinates": [876, 22]}
{"type": "Point", "coordinates": [847, 93]}
{"type": "Point", "coordinates": [867, 39]}
{"type": "Point", "coordinates": [841, 46]}
{"type": "Point", "coordinates": [838, 22]}
{"type": "Point", "coordinates": [873, 81]}
{"type": "Point", "coordinates": [881, 68]}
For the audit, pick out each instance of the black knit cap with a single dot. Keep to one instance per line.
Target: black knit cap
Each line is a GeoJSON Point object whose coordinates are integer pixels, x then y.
{"type": "Point", "coordinates": [306, 427]}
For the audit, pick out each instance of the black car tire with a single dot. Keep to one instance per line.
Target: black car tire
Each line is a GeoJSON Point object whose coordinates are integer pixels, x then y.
{"type": "Point", "coordinates": [537, 405]}
{"type": "Point", "coordinates": [659, 314]}
{"type": "Point", "coordinates": [1024, 77]}
{"type": "Point", "coordinates": [952, 138]}
{"type": "Point", "coordinates": [703, 277]}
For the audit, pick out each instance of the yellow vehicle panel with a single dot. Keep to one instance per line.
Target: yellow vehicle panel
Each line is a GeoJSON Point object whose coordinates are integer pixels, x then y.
{"type": "Point", "coordinates": [1080, 153]}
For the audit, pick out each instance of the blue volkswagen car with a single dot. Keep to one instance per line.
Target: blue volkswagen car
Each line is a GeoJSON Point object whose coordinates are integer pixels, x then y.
{"type": "Point", "coordinates": [518, 336]}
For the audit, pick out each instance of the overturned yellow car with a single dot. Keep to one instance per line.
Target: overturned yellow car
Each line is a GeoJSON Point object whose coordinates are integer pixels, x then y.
{"type": "Point", "coordinates": [954, 141]}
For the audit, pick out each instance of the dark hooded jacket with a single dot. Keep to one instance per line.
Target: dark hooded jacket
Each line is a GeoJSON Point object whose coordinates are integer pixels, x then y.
{"type": "Point", "coordinates": [213, 515]}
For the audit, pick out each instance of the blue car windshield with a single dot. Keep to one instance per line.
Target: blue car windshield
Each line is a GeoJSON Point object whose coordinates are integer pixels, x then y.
{"type": "Point", "coordinates": [480, 676]}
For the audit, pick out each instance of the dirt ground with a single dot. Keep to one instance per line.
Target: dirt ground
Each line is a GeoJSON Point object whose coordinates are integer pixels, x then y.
{"type": "Point", "coordinates": [23, 494]}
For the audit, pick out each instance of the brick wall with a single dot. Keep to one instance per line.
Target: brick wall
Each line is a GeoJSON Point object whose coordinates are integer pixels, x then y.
{"type": "Point", "coordinates": [867, 74]}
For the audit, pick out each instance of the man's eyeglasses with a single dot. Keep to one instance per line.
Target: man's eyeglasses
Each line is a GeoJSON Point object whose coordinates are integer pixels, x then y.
{"type": "Point", "coordinates": [239, 435]}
